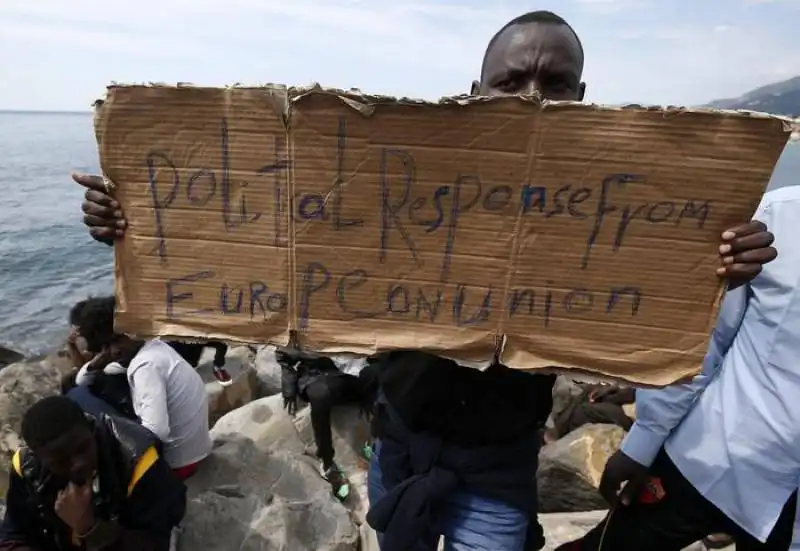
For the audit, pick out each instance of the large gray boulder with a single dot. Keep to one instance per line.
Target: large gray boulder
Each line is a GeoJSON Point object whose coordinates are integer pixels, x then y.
{"type": "Point", "coordinates": [570, 468]}
{"type": "Point", "coordinates": [239, 362]}
{"type": "Point", "coordinates": [259, 490]}
{"type": "Point", "coordinates": [21, 385]}
{"type": "Point", "coordinates": [350, 432]}
{"type": "Point", "coordinates": [268, 372]}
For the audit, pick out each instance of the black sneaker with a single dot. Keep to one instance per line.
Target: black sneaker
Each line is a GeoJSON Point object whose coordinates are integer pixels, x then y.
{"type": "Point", "coordinates": [339, 483]}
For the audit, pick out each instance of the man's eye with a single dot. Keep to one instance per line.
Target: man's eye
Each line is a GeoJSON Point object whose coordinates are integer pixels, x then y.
{"type": "Point", "coordinates": [557, 85]}
{"type": "Point", "coordinates": [507, 85]}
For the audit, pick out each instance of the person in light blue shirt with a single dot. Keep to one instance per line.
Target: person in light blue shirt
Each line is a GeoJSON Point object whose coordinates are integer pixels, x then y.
{"type": "Point", "coordinates": [721, 453]}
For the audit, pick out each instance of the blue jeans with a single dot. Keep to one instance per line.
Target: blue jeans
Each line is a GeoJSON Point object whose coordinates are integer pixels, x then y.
{"type": "Point", "coordinates": [467, 522]}
{"type": "Point", "coordinates": [91, 403]}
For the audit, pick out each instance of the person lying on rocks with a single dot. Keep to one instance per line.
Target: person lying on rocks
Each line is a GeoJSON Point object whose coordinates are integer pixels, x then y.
{"type": "Point", "coordinates": [324, 383]}
{"type": "Point", "coordinates": [168, 395]}
{"type": "Point", "coordinates": [472, 435]}
{"type": "Point", "coordinates": [88, 483]}
{"type": "Point", "coordinates": [595, 404]}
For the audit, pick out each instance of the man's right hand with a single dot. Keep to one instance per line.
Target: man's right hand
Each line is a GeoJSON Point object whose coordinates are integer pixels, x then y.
{"type": "Point", "coordinates": [623, 479]}
{"type": "Point", "coordinates": [288, 357]}
{"type": "Point", "coordinates": [290, 405]}
{"type": "Point", "coordinates": [101, 213]}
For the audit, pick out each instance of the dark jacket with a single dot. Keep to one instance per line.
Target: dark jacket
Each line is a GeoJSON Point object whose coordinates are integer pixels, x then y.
{"type": "Point", "coordinates": [419, 470]}
{"type": "Point", "coordinates": [135, 487]}
{"type": "Point", "coordinates": [300, 369]}
{"type": "Point", "coordinates": [464, 406]}
{"type": "Point", "coordinates": [442, 427]}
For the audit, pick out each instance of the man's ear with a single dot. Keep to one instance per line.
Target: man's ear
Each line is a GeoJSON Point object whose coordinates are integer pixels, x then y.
{"type": "Point", "coordinates": [476, 88]}
{"type": "Point", "coordinates": [581, 91]}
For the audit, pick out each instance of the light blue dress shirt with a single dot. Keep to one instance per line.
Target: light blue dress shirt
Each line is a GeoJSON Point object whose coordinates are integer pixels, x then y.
{"type": "Point", "coordinates": [734, 430]}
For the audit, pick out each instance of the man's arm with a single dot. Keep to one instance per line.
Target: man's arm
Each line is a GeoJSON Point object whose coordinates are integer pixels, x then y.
{"type": "Point", "coordinates": [149, 393]}
{"type": "Point", "coordinates": [19, 528]}
{"type": "Point", "coordinates": [289, 375]}
{"type": "Point", "coordinates": [86, 376]}
{"type": "Point", "coordinates": [658, 412]}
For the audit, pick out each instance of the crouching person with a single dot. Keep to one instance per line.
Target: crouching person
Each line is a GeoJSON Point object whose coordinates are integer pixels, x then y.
{"type": "Point", "coordinates": [86, 483]}
{"type": "Point", "coordinates": [324, 383]}
{"type": "Point", "coordinates": [168, 396]}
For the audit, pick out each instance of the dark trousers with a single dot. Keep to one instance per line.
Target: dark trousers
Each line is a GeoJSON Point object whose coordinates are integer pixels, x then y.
{"type": "Point", "coordinates": [585, 413]}
{"type": "Point", "coordinates": [323, 393]}
{"type": "Point", "coordinates": [90, 403]}
{"type": "Point", "coordinates": [682, 517]}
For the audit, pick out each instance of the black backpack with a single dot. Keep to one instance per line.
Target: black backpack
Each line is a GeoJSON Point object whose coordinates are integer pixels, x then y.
{"type": "Point", "coordinates": [115, 391]}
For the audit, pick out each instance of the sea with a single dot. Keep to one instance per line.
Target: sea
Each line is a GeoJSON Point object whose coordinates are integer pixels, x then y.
{"type": "Point", "coordinates": [47, 259]}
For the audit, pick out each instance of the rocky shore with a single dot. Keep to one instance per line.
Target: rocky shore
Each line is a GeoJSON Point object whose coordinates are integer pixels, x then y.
{"type": "Point", "coordinates": [262, 486]}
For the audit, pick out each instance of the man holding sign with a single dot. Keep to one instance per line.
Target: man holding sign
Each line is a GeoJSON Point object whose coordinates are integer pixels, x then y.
{"type": "Point", "coordinates": [471, 434]}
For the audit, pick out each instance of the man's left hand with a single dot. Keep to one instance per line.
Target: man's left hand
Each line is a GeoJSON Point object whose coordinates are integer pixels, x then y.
{"type": "Point", "coordinates": [74, 507]}
{"type": "Point", "coordinates": [744, 251]}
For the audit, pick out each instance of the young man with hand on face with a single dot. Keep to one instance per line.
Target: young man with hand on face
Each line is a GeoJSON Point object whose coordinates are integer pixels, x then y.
{"type": "Point", "coordinates": [471, 435]}
{"type": "Point", "coordinates": [168, 396]}
{"type": "Point", "coordinates": [86, 483]}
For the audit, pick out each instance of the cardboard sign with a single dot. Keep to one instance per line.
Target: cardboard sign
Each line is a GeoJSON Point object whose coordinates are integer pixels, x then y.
{"type": "Point", "coordinates": [575, 235]}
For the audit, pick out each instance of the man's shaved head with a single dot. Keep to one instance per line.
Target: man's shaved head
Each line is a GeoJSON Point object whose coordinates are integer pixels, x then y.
{"type": "Point", "coordinates": [535, 52]}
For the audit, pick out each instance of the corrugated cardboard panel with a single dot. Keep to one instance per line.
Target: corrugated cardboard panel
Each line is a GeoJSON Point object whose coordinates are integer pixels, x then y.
{"type": "Point", "coordinates": [581, 236]}
{"type": "Point", "coordinates": [201, 174]}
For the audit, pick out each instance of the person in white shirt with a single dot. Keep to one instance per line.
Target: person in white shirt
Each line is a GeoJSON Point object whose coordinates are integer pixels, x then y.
{"type": "Point", "coordinates": [168, 395]}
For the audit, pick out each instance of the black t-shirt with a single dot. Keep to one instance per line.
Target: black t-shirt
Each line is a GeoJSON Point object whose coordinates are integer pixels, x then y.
{"type": "Point", "coordinates": [156, 504]}
{"type": "Point", "coordinates": [464, 406]}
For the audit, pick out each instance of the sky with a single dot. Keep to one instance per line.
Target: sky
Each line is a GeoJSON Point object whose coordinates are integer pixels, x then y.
{"type": "Point", "coordinates": [61, 54]}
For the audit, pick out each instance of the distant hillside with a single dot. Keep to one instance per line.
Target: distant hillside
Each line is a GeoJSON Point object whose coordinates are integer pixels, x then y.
{"type": "Point", "coordinates": [780, 98]}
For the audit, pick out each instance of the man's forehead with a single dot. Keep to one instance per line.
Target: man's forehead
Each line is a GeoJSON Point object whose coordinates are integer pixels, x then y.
{"type": "Point", "coordinates": [549, 39]}
{"type": "Point", "coordinates": [74, 437]}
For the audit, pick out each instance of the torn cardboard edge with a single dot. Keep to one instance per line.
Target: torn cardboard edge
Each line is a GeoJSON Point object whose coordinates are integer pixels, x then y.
{"type": "Point", "coordinates": [366, 104]}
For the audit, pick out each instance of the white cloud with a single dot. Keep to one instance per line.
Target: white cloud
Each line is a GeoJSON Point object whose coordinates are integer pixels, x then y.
{"type": "Point", "coordinates": [93, 38]}
{"type": "Point", "coordinates": [610, 6]}
{"type": "Point", "coordinates": [416, 47]}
